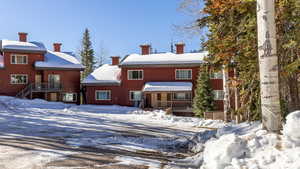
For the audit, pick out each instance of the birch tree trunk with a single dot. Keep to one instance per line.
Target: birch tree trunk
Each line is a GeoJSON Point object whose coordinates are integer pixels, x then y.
{"type": "Point", "coordinates": [268, 65]}
{"type": "Point", "coordinates": [226, 94]}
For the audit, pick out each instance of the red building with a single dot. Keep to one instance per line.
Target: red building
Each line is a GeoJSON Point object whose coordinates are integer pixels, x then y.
{"type": "Point", "coordinates": [28, 69]}
{"type": "Point", "coordinates": [159, 80]}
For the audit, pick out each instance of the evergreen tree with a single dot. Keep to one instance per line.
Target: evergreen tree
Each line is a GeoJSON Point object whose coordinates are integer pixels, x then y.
{"type": "Point", "coordinates": [87, 54]}
{"type": "Point", "coordinates": [203, 100]}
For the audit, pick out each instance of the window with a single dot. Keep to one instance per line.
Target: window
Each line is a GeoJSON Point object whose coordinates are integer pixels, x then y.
{"type": "Point", "coordinates": [216, 75]}
{"type": "Point", "coordinates": [182, 96]}
{"type": "Point", "coordinates": [135, 95]}
{"type": "Point", "coordinates": [19, 59]}
{"type": "Point", "coordinates": [69, 97]}
{"type": "Point", "coordinates": [103, 95]}
{"type": "Point", "coordinates": [218, 95]}
{"type": "Point", "coordinates": [135, 74]}
{"type": "Point", "coordinates": [18, 79]}
{"type": "Point", "coordinates": [183, 74]}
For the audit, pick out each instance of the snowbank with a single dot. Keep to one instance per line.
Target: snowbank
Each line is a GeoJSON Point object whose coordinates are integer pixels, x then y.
{"type": "Point", "coordinates": [219, 153]}
{"type": "Point", "coordinates": [291, 129]}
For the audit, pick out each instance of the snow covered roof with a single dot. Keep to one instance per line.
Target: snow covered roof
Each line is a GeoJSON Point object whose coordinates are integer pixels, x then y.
{"type": "Point", "coordinates": [59, 60]}
{"type": "Point", "coordinates": [164, 59]}
{"type": "Point", "coordinates": [167, 86]}
{"type": "Point", "coordinates": [1, 61]}
{"type": "Point", "coordinates": [106, 74]}
{"type": "Point", "coordinates": [22, 46]}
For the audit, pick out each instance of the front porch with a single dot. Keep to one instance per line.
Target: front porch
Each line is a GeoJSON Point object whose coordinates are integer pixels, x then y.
{"type": "Point", "coordinates": [175, 96]}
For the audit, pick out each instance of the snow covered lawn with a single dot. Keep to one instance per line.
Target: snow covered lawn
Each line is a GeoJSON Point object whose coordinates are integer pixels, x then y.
{"type": "Point", "coordinates": [36, 133]}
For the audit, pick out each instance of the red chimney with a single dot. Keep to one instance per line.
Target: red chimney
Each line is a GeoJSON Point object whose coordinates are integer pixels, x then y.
{"type": "Point", "coordinates": [180, 48]}
{"type": "Point", "coordinates": [22, 37]}
{"type": "Point", "coordinates": [56, 47]}
{"type": "Point", "coordinates": [115, 60]}
{"type": "Point", "coordinates": [145, 49]}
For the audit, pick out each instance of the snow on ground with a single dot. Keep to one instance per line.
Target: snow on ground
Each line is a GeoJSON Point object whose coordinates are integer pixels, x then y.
{"type": "Point", "coordinates": [104, 127]}
{"type": "Point", "coordinates": [116, 128]}
{"type": "Point", "coordinates": [247, 146]}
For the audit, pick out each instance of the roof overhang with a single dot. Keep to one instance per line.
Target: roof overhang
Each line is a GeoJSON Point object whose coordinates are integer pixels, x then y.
{"type": "Point", "coordinates": [58, 68]}
{"type": "Point", "coordinates": [23, 51]}
{"type": "Point", "coordinates": [168, 87]}
{"type": "Point", "coordinates": [161, 65]}
{"type": "Point", "coordinates": [101, 84]}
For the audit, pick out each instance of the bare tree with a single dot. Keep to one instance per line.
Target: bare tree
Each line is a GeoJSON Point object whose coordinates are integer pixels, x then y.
{"type": "Point", "coordinates": [268, 65]}
{"type": "Point", "coordinates": [101, 55]}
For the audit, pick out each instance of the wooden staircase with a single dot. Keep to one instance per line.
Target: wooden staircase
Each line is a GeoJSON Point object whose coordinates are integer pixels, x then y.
{"type": "Point", "coordinates": [39, 88]}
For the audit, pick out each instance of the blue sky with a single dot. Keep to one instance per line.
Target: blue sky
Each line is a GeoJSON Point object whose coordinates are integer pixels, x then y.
{"type": "Point", "coordinates": [119, 26]}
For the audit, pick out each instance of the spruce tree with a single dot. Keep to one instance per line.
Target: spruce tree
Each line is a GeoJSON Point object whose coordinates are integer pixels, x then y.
{"type": "Point", "coordinates": [203, 100]}
{"type": "Point", "coordinates": [87, 54]}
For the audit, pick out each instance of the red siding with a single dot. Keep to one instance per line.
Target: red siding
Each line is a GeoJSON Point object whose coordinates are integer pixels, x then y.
{"type": "Point", "coordinates": [120, 94]}
{"type": "Point", "coordinates": [70, 79]}
{"type": "Point", "coordinates": [12, 89]}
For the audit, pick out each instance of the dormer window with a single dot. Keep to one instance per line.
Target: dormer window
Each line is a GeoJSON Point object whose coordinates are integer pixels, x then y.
{"type": "Point", "coordinates": [19, 59]}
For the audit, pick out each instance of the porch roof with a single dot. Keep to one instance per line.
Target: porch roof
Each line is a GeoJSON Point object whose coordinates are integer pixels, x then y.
{"type": "Point", "coordinates": [167, 86]}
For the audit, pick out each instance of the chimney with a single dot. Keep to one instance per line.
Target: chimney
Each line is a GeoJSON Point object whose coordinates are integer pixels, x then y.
{"type": "Point", "coordinates": [115, 60]}
{"type": "Point", "coordinates": [22, 37]}
{"type": "Point", "coordinates": [180, 48]}
{"type": "Point", "coordinates": [145, 49]}
{"type": "Point", "coordinates": [56, 47]}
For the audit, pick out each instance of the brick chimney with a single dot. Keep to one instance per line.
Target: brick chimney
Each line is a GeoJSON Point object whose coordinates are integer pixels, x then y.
{"type": "Point", "coordinates": [115, 60]}
{"type": "Point", "coordinates": [145, 49]}
{"type": "Point", "coordinates": [56, 47]}
{"type": "Point", "coordinates": [180, 48]}
{"type": "Point", "coordinates": [22, 37]}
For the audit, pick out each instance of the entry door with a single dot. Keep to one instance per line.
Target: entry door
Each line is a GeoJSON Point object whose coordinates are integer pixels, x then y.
{"type": "Point", "coordinates": [148, 100]}
{"type": "Point", "coordinates": [38, 78]}
{"type": "Point", "coordinates": [38, 81]}
{"type": "Point", "coordinates": [54, 81]}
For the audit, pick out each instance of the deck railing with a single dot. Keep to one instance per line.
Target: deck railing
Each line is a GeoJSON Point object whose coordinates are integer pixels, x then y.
{"type": "Point", "coordinates": [174, 104]}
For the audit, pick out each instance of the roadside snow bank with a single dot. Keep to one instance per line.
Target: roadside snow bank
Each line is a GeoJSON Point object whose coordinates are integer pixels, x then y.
{"type": "Point", "coordinates": [219, 153]}
{"type": "Point", "coordinates": [291, 129]}
{"type": "Point", "coordinates": [188, 121]}
{"type": "Point", "coordinates": [247, 146]}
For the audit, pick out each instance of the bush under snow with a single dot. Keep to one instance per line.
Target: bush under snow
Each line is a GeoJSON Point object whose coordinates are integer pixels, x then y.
{"type": "Point", "coordinates": [291, 129]}
{"type": "Point", "coordinates": [219, 153]}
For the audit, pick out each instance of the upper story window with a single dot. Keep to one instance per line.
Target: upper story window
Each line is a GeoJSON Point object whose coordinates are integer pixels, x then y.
{"type": "Point", "coordinates": [218, 94]}
{"type": "Point", "coordinates": [216, 75]}
{"type": "Point", "coordinates": [19, 59]}
{"type": "Point", "coordinates": [183, 74]}
{"type": "Point", "coordinates": [135, 74]}
{"type": "Point", "coordinates": [103, 95]}
{"type": "Point", "coordinates": [18, 79]}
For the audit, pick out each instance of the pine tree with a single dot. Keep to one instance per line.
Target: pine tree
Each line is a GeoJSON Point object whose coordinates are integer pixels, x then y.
{"type": "Point", "coordinates": [203, 100]}
{"type": "Point", "coordinates": [87, 54]}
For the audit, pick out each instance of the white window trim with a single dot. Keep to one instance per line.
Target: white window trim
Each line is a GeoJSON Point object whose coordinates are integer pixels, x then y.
{"type": "Point", "coordinates": [11, 60]}
{"type": "Point", "coordinates": [184, 78]}
{"type": "Point", "coordinates": [19, 75]}
{"type": "Point", "coordinates": [135, 70]}
{"type": "Point", "coordinates": [219, 91]}
{"type": "Point", "coordinates": [134, 91]}
{"type": "Point", "coordinates": [109, 91]}
{"type": "Point", "coordinates": [70, 93]}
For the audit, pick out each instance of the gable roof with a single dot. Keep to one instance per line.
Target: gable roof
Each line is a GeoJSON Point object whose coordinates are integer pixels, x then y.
{"type": "Point", "coordinates": [59, 60]}
{"type": "Point", "coordinates": [164, 59]}
{"type": "Point", "coordinates": [10, 45]}
{"type": "Point", "coordinates": [104, 75]}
